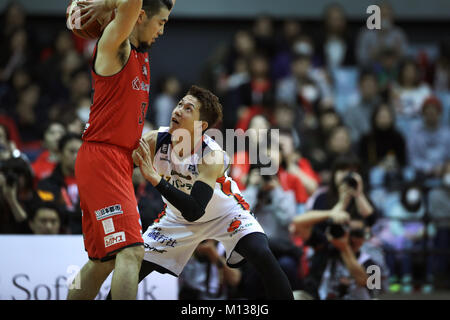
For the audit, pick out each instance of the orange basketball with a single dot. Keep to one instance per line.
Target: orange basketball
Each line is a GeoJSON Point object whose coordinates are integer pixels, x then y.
{"type": "Point", "coordinates": [92, 31]}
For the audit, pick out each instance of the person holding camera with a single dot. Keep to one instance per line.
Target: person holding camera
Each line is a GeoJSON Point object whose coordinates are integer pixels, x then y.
{"type": "Point", "coordinates": [16, 182]}
{"type": "Point", "coordinates": [329, 210]}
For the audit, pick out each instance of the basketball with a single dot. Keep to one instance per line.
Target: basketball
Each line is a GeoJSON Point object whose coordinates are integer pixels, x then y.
{"type": "Point", "coordinates": [93, 30]}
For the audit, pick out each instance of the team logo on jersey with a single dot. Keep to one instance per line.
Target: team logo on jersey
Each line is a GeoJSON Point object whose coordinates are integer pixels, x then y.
{"type": "Point", "coordinates": [235, 224]}
{"type": "Point", "coordinates": [108, 212]}
{"type": "Point", "coordinates": [136, 84]}
{"type": "Point", "coordinates": [114, 238]}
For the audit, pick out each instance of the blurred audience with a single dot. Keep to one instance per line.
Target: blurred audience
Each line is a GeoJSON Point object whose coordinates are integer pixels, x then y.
{"type": "Point", "coordinates": [429, 143]}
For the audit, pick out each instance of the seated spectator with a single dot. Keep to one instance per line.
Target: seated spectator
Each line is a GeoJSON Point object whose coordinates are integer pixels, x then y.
{"type": "Point", "coordinates": [166, 100]}
{"type": "Point", "coordinates": [383, 146]}
{"type": "Point", "coordinates": [264, 33]}
{"type": "Point", "coordinates": [343, 198]}
{"type": "Point", "coordinates": [302, 89]}
{"type": "Point", "coordinates": [16, 186]}
{"type": "Point", "coordinates": [206, 276]}
{"type": "Point", "coordinates": [336, 47]}
{"type": "Point", "coordinates": [357, 117]}
{"type": "Point", "coordinates": [408, 95]}
{"type": "Point", "coordinates": [429, 143]}
{"type": "Point", "coordinates": [291, 30]}
{"type": "Point", "coordinates": [315, 134]}
{"type": "Point", "coordinates": [371, 42]}
{"type": "Point", "coordinates": [338, 144]}
{"type": "Point", "coordinates": [45, 218]}
{"type": "Point", "coordinates": [297, 165]}
{"type": "Point", "coordinates": [257, 134]}
{"type": "Point", "coordinates": [61, 188]}
{"type": "Point", "coordinates": [45, 163]}
{"type": "Point", "coordinates": [439, 206]}
{"type": "Point", "coordinates": [274, 207]}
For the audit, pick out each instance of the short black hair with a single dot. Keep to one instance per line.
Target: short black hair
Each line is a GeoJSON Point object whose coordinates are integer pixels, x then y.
{"type": "Point", "coordinates": [66, 138]}
{"type": "Point", "coordinates": [38, 204]}
{"type": "Point", "coordinates": [152, 7]}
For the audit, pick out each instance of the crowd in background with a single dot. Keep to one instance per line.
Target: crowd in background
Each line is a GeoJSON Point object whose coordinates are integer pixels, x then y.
{"type": "Point", "coordinates": [364, 128]}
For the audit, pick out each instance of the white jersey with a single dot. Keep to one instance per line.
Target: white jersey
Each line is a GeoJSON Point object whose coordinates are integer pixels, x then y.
{"type": "Point", "coordinates": [183, 174]}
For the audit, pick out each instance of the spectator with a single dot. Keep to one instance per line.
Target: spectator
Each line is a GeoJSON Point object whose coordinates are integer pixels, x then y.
{"type": "Point", "coordinates": [337, 202]}
{"type": "Point", "coordinates": [16, 186]}
{"type": "Point", "coordinates": [335, 46]}
{"type": "Point", "coordinates": [383, 146]}
{"type": "Point", "coordinates": [28, 120]}
{"type": "Point", "coordinates": [429, 144]}
{"type": "Point", "coordinates": [315, 134]}
{"type": "Point", "coordinates": [45, 218]}
{"type": "Point", "coordinates": [301, 88]}
{"type": "Point", "coordinates": [274, 208]}
{"type": "Point", "coordinates": [370, 43]}
{"type": "Point", "coordinates": [61, 186]}
{"type": "Point", "coordinates": [166, 100]}
{"type": "Point", "coordinates": [258, 129]}
{"type": "Point", "coordinates": [441, 72]}
{"type": "Point", "coordinates": [206, 276]}
{"type": "Point", "coordinates": [439, 206]}
{"type": "Point", "coordinates": [408, 95]}
{"type": "Point", "coordinates": [345, 276]}
{"type": "Point", "coordinates": [291, 30]}
{"type": "Point", "coordinates": [18, 54]}
{"type": "Point", "coordinates": [264, 34]}
{"type": "Point", "coordinates": [357, 117]}
{"type": "Point", "coordinates": [298, 166]}
{"type": "Point", "coordinates": [43, 166]}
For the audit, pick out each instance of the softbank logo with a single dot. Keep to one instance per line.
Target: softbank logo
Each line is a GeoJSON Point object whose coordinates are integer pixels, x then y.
{"type": "Point", "coordinates": [263, 146]}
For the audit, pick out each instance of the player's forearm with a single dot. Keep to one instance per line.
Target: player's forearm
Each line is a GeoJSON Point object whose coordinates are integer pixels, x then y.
{"type": "Point", "coordinates": [192, 206]}
{"type": "Point", "coordinates": [311, 218]}
{"type": "Point", "coordinates": [115, 4]}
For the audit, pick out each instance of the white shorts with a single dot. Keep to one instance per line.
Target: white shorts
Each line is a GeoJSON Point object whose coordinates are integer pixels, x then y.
{"type": "Point", "coordinates": [170, 243]}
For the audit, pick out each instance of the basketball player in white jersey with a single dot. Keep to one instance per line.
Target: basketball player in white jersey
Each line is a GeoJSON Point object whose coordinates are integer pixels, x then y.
{"type": "Point", "coordinates": [201, 201]}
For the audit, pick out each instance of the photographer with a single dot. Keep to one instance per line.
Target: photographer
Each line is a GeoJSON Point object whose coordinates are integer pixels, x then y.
{"type": "Point", "coordinates": [345, 274]}
{"type": "Point", "coordinates": [16, 180]}
{"type": "Point", "coordinates": [332, 206]}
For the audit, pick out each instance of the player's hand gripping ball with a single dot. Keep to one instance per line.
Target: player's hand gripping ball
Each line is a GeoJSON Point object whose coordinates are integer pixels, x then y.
{"type": "Point", "coordinates": [87, 19]}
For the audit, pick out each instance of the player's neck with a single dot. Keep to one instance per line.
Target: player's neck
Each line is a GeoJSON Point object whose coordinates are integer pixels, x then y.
{"type": "Point", "coordinates": [133, 40]}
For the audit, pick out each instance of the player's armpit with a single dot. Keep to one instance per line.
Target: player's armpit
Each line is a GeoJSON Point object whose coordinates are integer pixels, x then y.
{"type": "Point", "coordinates": [211, 168]}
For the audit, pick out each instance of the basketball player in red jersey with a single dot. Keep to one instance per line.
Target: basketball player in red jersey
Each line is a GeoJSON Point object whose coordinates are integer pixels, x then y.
{"type": "Point", "coordinates": [121, 80]}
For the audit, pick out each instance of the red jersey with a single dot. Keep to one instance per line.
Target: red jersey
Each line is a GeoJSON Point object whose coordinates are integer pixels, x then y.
{"type": "Point", "coordinates": [120, 103]}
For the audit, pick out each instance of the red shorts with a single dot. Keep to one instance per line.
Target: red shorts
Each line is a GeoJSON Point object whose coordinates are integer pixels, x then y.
{"type": "Point", "coordinates": [111, 219]}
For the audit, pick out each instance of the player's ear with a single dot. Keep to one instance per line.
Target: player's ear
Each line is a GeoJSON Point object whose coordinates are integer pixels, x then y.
{"type": "Point", "coordinates": [142, 17]}
{"type": "Point", "coordinates": [204, 126]}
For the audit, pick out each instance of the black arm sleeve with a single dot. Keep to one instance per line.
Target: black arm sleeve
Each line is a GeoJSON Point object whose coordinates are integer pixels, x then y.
{"type": "Point", "coordinates": [192, 207]}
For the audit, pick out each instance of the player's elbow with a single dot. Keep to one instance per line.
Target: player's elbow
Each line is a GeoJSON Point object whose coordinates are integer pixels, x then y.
{"type": "Point", "coordinates": [193, 214]}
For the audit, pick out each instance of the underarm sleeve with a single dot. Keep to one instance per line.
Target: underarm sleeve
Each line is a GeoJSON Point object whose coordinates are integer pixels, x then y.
{"type": "Point", "coordinates": [192, 207]}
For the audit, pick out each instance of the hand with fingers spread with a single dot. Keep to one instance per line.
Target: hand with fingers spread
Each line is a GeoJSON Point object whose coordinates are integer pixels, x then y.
{"type": "Point", "coordinates": [93, 10]}
{"type": "Point", "coordinates": [142, 157]}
